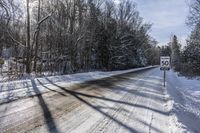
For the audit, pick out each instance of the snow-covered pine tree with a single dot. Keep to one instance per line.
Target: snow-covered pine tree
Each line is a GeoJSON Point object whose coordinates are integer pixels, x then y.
{"type": "Point", "coordinates": [175, 53]}
{"type": "Point", "coordinates": [191, 53]}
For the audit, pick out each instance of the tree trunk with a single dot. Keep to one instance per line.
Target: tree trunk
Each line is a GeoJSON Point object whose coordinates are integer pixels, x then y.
{"type": "Point", "coordinates": [36, 40]}
{"type": "Point", "coordinates": [28, 54]}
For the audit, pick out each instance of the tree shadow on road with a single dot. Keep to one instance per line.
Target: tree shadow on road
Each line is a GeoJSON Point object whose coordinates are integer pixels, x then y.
{"type": "Point", "coordinates": [110, 84]}
{"type": "Point", "coordinates": [102, 98]}
{"type": "Point", "coordinates": [46, 112]}
{"type": "Point", "coordinates": [80, 95]}
{"type": "Point", "coordinates": [77, 96]}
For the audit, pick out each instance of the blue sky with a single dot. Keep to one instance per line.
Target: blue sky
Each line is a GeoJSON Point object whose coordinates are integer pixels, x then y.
{"type": "Point", "coordinates": [167, 16]}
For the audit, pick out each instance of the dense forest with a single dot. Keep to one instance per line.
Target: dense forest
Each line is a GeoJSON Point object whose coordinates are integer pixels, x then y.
{"type": "Point", "coordinates": [71, 36]}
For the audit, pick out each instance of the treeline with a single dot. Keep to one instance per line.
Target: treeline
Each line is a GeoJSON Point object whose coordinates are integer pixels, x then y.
{"type": "Point", "coordinates": [186, 60]}
{"type": "Point", "coordinates": [76, 35]}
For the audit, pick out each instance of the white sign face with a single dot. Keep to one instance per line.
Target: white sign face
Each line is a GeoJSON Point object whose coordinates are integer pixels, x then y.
{"type": "Point", "coordinates": [165, 62]}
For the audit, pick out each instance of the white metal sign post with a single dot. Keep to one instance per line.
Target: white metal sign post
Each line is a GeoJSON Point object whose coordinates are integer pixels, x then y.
{"type": "Point", "coordinates": [164, 65]}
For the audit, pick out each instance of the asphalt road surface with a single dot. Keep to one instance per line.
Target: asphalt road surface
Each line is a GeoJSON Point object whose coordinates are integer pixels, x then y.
{"type": "Point", "coordinates": [131, 102]}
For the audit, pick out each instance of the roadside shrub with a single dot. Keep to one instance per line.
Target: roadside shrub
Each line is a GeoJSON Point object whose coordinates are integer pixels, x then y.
{"type": "Point", "coordinates": [190, 69]}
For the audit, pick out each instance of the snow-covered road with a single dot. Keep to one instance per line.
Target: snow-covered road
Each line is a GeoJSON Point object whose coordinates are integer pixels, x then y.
{"type": "Point", "coordinates": [129, 102]}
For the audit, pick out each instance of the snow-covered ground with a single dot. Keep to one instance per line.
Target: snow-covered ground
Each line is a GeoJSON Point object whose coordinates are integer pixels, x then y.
{"type": "Point", "coordinates": [126, 103]}
{"type": "Point", "coordinates": [182, 94]}
{"type": "Point", "coordinates": [14, 90]}
{"type": "Point", "coordinates": [185, 95]}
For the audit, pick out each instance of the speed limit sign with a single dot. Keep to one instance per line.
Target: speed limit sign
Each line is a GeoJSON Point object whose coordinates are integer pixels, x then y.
{"type": "Point", "coordinates": [164, 63]}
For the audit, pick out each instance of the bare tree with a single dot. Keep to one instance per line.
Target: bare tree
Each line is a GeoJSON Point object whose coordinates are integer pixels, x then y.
{"type": "Point", "coordinates": [28, 40]}
{"type": "Point", "coordinates": [78, 35]}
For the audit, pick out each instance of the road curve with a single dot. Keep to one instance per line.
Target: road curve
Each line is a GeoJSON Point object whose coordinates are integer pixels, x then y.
{"type": "Point", "coordinates": [131, 102]}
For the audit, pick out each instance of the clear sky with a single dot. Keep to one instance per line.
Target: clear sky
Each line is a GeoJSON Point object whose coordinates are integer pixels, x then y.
{"type": "Point", "coordinates": [167, 16]}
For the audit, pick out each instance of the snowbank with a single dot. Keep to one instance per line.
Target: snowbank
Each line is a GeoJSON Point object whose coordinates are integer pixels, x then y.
{"type": "Point", "coordinates": [185, 97]}
{"type": "Point", "coordinates": [14, 90]}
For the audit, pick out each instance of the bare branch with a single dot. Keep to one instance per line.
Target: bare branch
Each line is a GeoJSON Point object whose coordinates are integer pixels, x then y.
{"type": "Point", "coordinates": [19, 43]}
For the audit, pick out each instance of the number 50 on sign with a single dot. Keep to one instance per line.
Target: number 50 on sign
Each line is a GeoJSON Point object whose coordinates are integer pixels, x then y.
{"type": "Point", "coordinates": [164, 63]}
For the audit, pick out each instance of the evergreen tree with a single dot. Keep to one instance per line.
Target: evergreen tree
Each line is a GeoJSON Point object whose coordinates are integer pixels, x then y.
{"type": "Point", "coordinates": [175, 53]}
{"type": "Point", "coordinates": [191, 53]}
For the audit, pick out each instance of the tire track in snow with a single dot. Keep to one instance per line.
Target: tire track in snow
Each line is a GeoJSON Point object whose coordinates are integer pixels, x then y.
{"type": "Point", "coordinates": [105, 123]}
